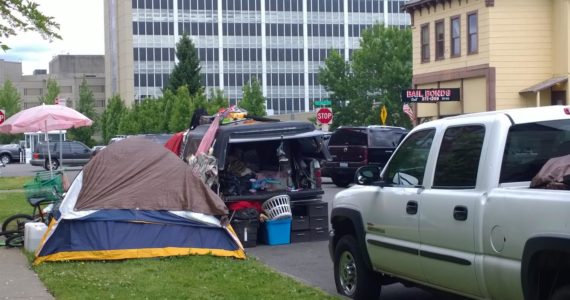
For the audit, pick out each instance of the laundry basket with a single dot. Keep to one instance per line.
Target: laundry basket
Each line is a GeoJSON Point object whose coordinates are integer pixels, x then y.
{"type": "Point", "coordinates": [277, 207]}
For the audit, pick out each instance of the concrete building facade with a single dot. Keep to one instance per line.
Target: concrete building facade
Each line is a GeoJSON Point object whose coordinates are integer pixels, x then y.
{"type": "Point", "coordinates": [68, 71]}
{"type": "Point", "coordinates": [280, 42]}
{"type": "Point", "coordinates": [501, 54]}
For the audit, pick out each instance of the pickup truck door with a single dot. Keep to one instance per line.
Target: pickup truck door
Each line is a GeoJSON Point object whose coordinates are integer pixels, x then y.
{"type": "Point", "coordinates": [392, 222]}
{"type": "Point", "coordinates": [449, 212]}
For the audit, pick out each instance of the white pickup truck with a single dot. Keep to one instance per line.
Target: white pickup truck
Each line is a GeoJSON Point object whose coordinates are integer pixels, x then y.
{"type": "Point", "coordinates": [453, 210]}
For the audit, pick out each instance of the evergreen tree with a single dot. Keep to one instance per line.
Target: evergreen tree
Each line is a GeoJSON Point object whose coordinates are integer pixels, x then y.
{"type": "Point", "coordinates": [187, 71]}
{"type": "Point", "coordinates": [253, 100]}
{"type": "Point", "coordinates": [217, 100]}
{"type": "Point", "coordinates": [111, 118]}
{"type": "Point", "coordinates": [10, 103]}
{"type": "Point", "coordinates": [52, 92]}
{"type": "Point", "coordinates": [86, 107]}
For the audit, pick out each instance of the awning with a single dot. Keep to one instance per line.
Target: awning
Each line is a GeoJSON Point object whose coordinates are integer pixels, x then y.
{"type": "Point", "coordinates": [545, 84]}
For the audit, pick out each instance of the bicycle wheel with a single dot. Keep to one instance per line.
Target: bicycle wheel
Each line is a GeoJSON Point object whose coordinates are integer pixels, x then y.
{"type": "Point", "coordinates": [16, 223]}
{"type": "Point", "coordinates": [16, 240]}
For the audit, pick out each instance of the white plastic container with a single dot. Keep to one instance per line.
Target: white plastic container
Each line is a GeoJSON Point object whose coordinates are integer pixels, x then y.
{"type": "Point", "coordinates": [33, 233]}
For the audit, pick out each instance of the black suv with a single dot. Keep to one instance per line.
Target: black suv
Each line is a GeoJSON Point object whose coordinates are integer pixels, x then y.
{"type": "Point", "coordinates": [73, 153]}
{"type": "Point", "coordinates": [354, 147]}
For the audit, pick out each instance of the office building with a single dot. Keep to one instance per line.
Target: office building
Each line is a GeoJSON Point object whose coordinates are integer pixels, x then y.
{"type": "Point", "coordinates": [281, 42]}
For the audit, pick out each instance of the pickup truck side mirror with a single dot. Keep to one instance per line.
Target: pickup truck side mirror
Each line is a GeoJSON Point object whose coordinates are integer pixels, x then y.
{"type": "Point", "coordinates": [367, 175]}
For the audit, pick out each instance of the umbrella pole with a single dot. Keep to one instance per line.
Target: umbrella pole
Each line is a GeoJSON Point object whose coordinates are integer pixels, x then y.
{"type": "Point", "coordinates": [49, 153]}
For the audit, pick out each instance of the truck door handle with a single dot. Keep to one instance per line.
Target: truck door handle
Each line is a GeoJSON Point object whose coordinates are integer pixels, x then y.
{"type": "Point", "coordinates": [412, 207]}
{"type": "Point", "coordinates": [460, 213]}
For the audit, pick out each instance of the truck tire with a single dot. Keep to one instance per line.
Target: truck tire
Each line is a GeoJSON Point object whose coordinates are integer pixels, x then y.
{"type": "Point", "coordinates": [561, 293]}
{"type": "Point", "coordinates": [5, 158]}
{"type": "Point", "coordinates": [341, 181]}
{"type": "Point", "coordinates": [352, 278]}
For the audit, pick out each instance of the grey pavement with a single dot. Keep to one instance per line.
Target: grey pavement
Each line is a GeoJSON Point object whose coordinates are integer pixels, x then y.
{"type": "Point", "coordinates": [18, 280]}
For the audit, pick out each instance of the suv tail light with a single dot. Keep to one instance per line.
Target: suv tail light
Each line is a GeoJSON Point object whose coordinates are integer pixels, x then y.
{"type": "Point", "coordinates": [36, 156]}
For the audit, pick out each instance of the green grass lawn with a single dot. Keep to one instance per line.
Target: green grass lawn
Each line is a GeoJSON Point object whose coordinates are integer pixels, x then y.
{"type": "Point", "coordinates": [187, 277]}
{"type": "Point", "coordinates": [13, 183]}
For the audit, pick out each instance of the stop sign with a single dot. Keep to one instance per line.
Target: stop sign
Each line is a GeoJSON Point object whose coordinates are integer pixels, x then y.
{"type": "Point", "coordinates": [324, 115]}
{"type": "Point", "coordinates": [2, 116]}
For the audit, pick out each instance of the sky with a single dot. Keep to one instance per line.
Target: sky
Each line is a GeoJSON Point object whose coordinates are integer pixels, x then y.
{"type": "Point", "coordinates": [81, 29]}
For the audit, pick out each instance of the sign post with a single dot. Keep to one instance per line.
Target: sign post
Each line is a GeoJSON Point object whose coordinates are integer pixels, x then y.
{"type": "Point", "coordinates": [325, 117]}
{"type": "Point", "coordinates": [2, 116]}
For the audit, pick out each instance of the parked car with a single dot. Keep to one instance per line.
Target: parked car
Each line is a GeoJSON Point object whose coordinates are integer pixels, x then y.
{"type": "Point", "coordinates": [287, 152]}
{"type": "Point", "coordinates": [354, 147]}
{"type": "Point", "coordinates": [10, 153]}
{"type": "Point", "coordinates": [73, 153]}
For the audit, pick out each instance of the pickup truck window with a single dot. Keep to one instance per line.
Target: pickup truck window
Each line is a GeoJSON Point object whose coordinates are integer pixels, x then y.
{"type": "Point", "coordinates": [529, 146]}
{"type": "Point", "coordinates": [408, 164]}
{"type": "Point", "coordinates": [458, 159]}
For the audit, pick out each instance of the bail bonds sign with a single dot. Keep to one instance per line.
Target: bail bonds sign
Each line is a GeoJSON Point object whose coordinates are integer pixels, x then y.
{"type": "Point", "coordinates": [431, 95]}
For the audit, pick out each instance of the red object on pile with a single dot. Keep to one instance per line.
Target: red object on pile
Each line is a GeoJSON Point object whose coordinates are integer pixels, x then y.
{"type": "Point", "coordinates": [173, 144]}
{"type": "Point", "coordinates": [245, 204]}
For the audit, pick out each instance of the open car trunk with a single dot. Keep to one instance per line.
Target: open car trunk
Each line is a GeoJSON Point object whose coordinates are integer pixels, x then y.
{"type": "Point", "coordinates": [258, 170]}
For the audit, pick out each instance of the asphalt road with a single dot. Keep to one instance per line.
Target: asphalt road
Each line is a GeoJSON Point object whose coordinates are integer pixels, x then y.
{"type": "Point", "coordinates": [308, 262]}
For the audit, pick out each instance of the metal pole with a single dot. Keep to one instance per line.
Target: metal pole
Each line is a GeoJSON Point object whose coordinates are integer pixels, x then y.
{"type": "Point", "coordinates": [49, 152]}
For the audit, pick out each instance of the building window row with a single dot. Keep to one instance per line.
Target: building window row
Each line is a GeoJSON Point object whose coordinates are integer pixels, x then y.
{"type": "Point", "coordinates": [239, 80]}
{"type": "Point", "coordinates": [198, 28]}
{"type": "Point", "coordinates": [99, 103]}
{"type": "Point", "coordinates": [322, 54]}
{"type": "Point", "coordinates": [314, 79]}
{"type": "Point", "coordinates": [153, 4]}
{"type": "Point", "coordinates": [325, 29]}
{"type": "Point", "coordinates": [241, 29]}
{"type": "Point", "coordinates": [285, 79]}
{"type": "Point", "coordinates": [151, 80]}
{"type": "Point", "coordinates": [286, 104]}
{"type": "Point", "coordinates": [240, 4]}
{"type": "Point", "coordinates": [198, 4]}
{"type": "Point", "coordinates": [325, 5]}
{"type": "Point", "coordinates": [153, 28]}
{"type": "Point", "coordinates": [154, 54]}
{"type": "Point", "coordinates": [242, 54]}
{"type": "Point", "coordinates": [285, 54]}
{"type": "Point", "coordinates": [284, 29]}
{"type": "Point", "coordinates": [472, 37]}
{"type": "Point", "coordinates": [284, 5]}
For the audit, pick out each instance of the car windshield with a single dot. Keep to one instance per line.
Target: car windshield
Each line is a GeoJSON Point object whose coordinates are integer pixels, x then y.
{"type": "Point", "coordinates": [385, 138]}
{"type": "Point", "coordinates": [348, 136]}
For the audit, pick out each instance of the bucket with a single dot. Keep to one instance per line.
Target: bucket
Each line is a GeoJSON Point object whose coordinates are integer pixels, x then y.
{"type": "Point", "coordinates": [33, 233]}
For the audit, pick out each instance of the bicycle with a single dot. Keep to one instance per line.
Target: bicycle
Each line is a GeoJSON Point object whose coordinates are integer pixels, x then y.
{"type": "Point", "coordinates": [13, 227]}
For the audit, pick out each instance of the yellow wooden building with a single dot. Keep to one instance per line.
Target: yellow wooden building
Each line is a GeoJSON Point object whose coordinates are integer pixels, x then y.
{"type": "Point", "coordinates": [500, 53]}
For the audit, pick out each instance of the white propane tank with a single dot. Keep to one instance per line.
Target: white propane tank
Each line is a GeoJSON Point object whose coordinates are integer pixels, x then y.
{"type": "Point", "coordinates": [33, 233]}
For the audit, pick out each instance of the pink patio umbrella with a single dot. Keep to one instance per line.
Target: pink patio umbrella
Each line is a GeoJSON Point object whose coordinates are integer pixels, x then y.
{"type": "Point", "coordinates": [44, 118]}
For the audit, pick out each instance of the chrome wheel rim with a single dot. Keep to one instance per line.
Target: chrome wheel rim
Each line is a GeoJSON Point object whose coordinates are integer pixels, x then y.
{"type": "Point", "coordinates": [5, 160]}
{"type": "Point", "coordinates": [347, 273]}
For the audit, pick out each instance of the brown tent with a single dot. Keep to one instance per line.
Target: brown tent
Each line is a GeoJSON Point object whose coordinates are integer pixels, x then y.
{"type": "Point", "coordinates": [554, 174]}
{"type": "Point", "coordinates": [137, 173]}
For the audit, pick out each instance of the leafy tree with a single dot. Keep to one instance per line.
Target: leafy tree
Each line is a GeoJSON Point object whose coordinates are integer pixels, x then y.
{"type": "Point", "coordinates": [187, 71]}
{"type": "Point", "coordinates": [181, 110]}
{"type": "Point", "coordinates": [217, 100]}
{"type": "Point", "coordinates": [149, 116]}
{"type": "Point", "coordinates": [85, 106]}
{"type": "Point", "coordinates": [129, 123]}
{"type": "Point", "coordinates": [52, 92]}
{"type": "Point", "coordinates": [23, 15]}
{"type": "Point", "coordinates": [253, 100]}
{"type": "Point", "coordinates": [10, 102]}
{"type": "Point", "coordinates": [112, 117]}
{"type": "Point", "coordinates": [379, 70]}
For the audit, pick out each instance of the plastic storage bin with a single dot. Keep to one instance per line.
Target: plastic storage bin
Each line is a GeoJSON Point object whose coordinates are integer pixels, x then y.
{"type": "Point", "coordinates": [276, 232]}
{"type": "Point", "coordinates": [33, 233]}
{"type": "Point", "coordinates": [246, 231]}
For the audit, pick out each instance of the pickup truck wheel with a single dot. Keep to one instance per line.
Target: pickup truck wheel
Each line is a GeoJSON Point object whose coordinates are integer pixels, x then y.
{"type": "Point", "coordinates": [341, 181]}
{"type": "Point", "coordinates": [351, 276]}
{"type": "Point", "coordinates": [5, 158]}
{"type": "Point", "coordinates": [561, 293]}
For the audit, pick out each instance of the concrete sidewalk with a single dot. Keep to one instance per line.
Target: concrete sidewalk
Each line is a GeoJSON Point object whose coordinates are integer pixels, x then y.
{"type": "Point", "coordinates": [17, 279]}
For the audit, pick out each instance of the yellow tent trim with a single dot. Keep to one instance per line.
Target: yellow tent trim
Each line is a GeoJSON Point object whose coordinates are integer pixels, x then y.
{"type": "Point", "coordinates": [137, 253]}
